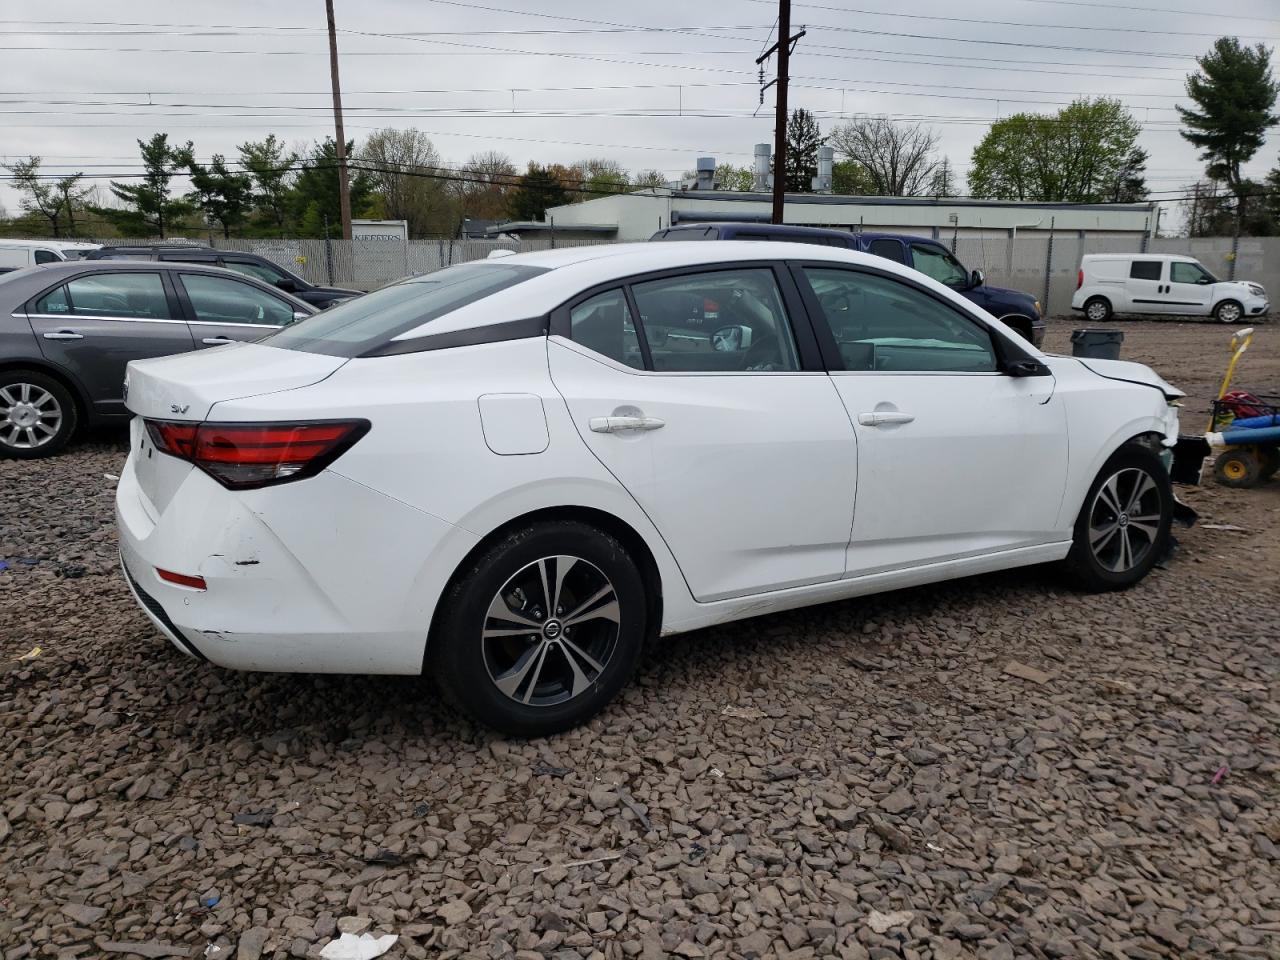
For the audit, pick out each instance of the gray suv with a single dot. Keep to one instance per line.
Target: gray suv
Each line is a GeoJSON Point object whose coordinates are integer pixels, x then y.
{"type": "Point", "coordinates": [67, 331]}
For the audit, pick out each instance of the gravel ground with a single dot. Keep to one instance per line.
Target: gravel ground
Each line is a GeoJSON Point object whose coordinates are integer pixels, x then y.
{"type": "Point", "coordinates": [864, 779]}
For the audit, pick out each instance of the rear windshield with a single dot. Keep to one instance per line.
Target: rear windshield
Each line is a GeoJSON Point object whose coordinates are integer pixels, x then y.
{"type": "Point", "coordinates": [357, 326]}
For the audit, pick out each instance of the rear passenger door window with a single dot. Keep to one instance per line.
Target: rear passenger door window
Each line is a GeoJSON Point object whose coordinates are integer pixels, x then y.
{"type": "Point", "coordinates": [723, 321]}
{"type": "Point", "coordinates": [225, 301]}
{"type": "Point", "coordinates": [889, 249]}
{"type": "Point", "coordinates": [604, 324]}
{"type": "Point", "coordinates": [1145, 270]}
{"type": "Point", "coordinates": [883, 325]}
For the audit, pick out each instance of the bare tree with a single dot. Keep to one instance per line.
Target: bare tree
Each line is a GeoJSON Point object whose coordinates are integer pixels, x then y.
{"type": "Point", "coordinates": [485, 182]}
{"type": "Point", "coordinates": [404, 166]}
{"type": "Point", "coordinates": [900, 158]}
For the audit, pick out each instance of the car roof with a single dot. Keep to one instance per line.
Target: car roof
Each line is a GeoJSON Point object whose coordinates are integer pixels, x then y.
{"type": "Point", "coordinates": [572, 270]}
{"type": "Point", "coordinates": [163, 247]}
{"type": "Point", "coordinates": [33, 279]}
{"type": "Point", "coordinates": [50, 244]}
{"type": "Point", "coordinates": [757, 227]}
{"type": "Point", "coordinates": [867, 235]}
{"type": "Point", "coordinates": [1139, 256]}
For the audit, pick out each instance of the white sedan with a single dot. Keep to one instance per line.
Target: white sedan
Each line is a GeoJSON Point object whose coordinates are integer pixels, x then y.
{"type": "Point", "coordinates": [510, 473]}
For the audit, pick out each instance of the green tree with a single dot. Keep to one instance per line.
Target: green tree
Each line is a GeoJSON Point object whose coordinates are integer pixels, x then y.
{"type": "Point", "coordinates": [150, 210]}
{"type": "Point", "coordinates": [273, 169]}
{"type": "Point", "coordinates": [1082, 154]}
{"type": "Point", "coordinates": [315, 191]}
{"type": "Point", "coordinates": [603, 176]}
{"type": "Point", "coordinates": [1234, 94]}
{"type": "Point", "coordinates": [803, 140]}
{"type": "Point", "coordinates": [225, 197]}
{"type": "Point", "coordinates": [730, 177]}
{"type": "Point", "coordinates": [538, 189]}
{"type": "Point", "coordinates": [1130, 185]}
{"type": "Point", "coordinates": [851, 179]}
{"type": "Point", "coordinates": [39, 196]}
{"type": "Point", "coordinates": [943, 182]}
{"type": "Point", "coordinates": [73, 198]}
{"type": "Point", "coordinates": [648, 179]}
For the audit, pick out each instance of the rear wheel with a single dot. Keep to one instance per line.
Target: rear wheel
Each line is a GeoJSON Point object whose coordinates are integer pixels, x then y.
{"type": "Point", "coordinates": [542, 630]}
{"type": "Point", "coordinates": [1123, 527]}
{"type": "Point", "coordinates": [37, 414]}
{"type": "Point", "coordinates": [1239, 467]}
{"type": "Point", "coordinates": [1097, 309]}
{"type": "Point", "coordinates": [1228, 311]}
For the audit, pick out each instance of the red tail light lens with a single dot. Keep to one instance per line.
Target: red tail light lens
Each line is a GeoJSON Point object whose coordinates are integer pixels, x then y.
{"type": "Point", "coordinates": [1079, 279]}
{"type": "Point", "coordinates": [182, 579]}
{"type": "Point", "coordinates": [242, 456]}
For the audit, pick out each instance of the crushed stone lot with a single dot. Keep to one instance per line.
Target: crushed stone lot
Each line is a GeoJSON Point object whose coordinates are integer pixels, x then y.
{"type": "Point", "coordinates": [995, 767]}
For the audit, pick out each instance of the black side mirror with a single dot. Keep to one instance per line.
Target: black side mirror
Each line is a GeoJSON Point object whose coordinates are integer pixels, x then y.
{"type": "Point", "coordinates": [287, 285]}
{"type": "Point", "coordinates": [1026, 367]}
{"type": "Point", "coordinates": [976, 279]}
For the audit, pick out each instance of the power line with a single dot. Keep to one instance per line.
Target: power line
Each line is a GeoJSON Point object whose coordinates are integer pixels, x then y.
{"type": "Point", "coordinates": [1216, 15]}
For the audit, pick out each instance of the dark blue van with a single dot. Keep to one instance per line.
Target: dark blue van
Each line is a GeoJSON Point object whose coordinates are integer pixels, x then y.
{"type": "Point", "coordinates": [1019, 310]}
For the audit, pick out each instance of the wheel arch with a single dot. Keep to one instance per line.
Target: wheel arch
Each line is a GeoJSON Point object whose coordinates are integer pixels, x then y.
{"type": "Point", "coordinates": [84, 412]}
{"type": "Point", "coordinates": [1022, 324]}
{"type": "Point", "coordinates": [637, 547]}
{"type": "Point", "coordinates": [1143, 432]}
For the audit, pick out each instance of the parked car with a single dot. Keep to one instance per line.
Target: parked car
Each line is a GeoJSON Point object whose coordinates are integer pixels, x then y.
{"type": "Point", "coordinates": [67, 330]}
{"type": "Point", "coordinates": [17, 254]}
{"type": "Point", "coordinates": [1146, 283]}
{"type": "Point", "coordinates": [1016, 309]}
{"type": "Point", "coordinates": [250, 264]}
{"type": "Point", "coordinates": [510, 473]}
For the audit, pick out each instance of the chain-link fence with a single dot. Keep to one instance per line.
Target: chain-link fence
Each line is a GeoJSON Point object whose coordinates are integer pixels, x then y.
{"type": "Point", "coordinates": [1039, 263]}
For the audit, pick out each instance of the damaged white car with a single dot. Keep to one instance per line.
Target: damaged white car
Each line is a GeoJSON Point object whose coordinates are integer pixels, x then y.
{"type": "Point", "coordinates": [510, 473]}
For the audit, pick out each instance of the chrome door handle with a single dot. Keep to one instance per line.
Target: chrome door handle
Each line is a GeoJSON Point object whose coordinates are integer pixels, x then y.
{"type": "Point", "coordinates": [214, 341]}
{"type": "Point", "coordinates": [622, 424]}
{"type": "Point", "coordinates": [64, 335]}
{"type": "Point", "coordinates": [882, 417]}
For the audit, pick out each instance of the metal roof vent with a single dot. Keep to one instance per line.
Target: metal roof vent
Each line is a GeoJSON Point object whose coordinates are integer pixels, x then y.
{"type": "Point", "coordinates": [706, 168]}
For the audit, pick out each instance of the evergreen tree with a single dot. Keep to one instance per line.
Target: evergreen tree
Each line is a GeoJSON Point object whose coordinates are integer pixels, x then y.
{"type": "Point", "coordinates": [225, 197]}
{"type": "Point", "coordinates": [943, 182]}
{"type": "Point", "coordinates": [315, 191]}
{"type": "Point", "coordinates": [538, 189]}
{"type": "Point", "coordinates": [803, 140]}
{"type": "Point", "coordinates": [1131, 179]}
{"type": "Point", "coordinates": [1235, 95]}
{"type": "Point", "coordinates": [149, 207]}
{"type": "Point", "coordinates": [39, 196]}
{"type": "Point", "coordinates": [272, 168]}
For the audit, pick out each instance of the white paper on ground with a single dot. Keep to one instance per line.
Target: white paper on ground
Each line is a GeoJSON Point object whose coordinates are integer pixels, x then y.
{"type": "Point", "coordinates": [364, 947]}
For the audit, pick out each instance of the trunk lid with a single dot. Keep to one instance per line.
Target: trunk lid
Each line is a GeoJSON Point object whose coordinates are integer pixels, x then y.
{"type": "Point", "coordinates": [186, 386]}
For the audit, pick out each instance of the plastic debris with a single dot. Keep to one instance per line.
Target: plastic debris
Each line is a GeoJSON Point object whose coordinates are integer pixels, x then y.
{"type": "Point", "coordinates": [578, 863]}
{"type": "Point", "coordinates": [883, 922]}
{"type": "Point", "coordinates": [1217, 777]}
{"type": "Point", "coordinates": [31, 654]}
{"type": "Point", "coordinates": [4, 564]}
{"type": "Point", "coordinates": [386, 858]}
{"type": "Point", "coordinates": [364, 947]}
{"type": "Point", "coordinates": [1229, 527]}
{"type": "Point", "coordinates": [422, 809]}
{"type": "Point", "coordinates": [214, 951]}
{"type": "Point", "coordinates": [716, 772]}
{"type": "Point", "coordinates": [210, 900]}
{"type": "Point", "coordinates": [260, 818]}
{"type": "Point", "coordinates": [110, 476]}
{"type": "Point", "coordinates": [742, 713]}
{"type": "Point", "coordinates": [546, 770]}
{"type": "Point", "coordinates": [934, 847]}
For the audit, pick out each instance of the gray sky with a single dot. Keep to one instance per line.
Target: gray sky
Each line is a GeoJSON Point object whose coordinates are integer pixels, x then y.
{"type": "Point", "coordinates": [81, 87]}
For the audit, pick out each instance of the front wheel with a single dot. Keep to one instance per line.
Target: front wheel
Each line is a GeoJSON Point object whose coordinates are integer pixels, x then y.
{"type": "Point", "coordinates": [37, 414]}
{"type": "Point", "coordinates": [1228, 311]}
{"type": "Point", "coordinates": [542, 630]}
{"type": "Point", "coordinates": [1123, 527]}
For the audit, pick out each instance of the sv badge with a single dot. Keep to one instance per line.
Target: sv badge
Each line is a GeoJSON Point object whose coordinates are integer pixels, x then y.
{"type": "Point", "coordinates": [176, 408]}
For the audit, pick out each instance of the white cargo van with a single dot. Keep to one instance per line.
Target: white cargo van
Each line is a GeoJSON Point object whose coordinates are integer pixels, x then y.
{"type": "Point", "coordinates": [1161, 283]}
{"type": "Point", "coordinates": [16, 254]}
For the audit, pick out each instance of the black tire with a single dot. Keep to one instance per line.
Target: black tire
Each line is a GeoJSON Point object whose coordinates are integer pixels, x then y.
{"type": "Point", "coordinates": [468, 653]}
{"type": "Point", "coordinates": [1097, 309]}
{"type": "Point", "coordinates": [1239, 467]}
{"type": "Point", "coordinates": [1228, 311]}
{"type": "Point", "coordinates": [1270, 461]}
{"type": "Point", "coordinates": [37, 414]}
{"type": "Point", "coordinates": [1097, 560]}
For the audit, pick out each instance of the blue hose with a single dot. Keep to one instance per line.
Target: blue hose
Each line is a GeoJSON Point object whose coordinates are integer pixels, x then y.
{"type": "Point", "coordinates": [1263, 435]}
{"type": "Point", "coordinates": [1253, 423]}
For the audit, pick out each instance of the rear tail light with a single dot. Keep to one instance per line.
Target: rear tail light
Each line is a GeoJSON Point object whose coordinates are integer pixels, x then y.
{"type": "Point", "coordinates": [242, 456]}
{"type": "Point", "coordinates": [1079, 279]}
{"type": "Point", "coordinates": [182, 579]}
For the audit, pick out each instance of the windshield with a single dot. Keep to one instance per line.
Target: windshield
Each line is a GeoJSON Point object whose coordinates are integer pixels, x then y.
{"type": "Point", "coordinates": [357, 326]}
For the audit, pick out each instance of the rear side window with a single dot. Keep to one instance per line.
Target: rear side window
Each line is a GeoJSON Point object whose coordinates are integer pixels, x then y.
{"type": "Point", "coordinates": [114, 296]}
{"type": "Point", "coordinates": [1145, 270]}
{"type": "Point", "coordinates": [889, 249]}
{"type": "Point", "coordinates": [366, 323]}
{"type": "Point", "coordinates": [47, 256]}
{"type": "Point", "coordinates": [604, 324]}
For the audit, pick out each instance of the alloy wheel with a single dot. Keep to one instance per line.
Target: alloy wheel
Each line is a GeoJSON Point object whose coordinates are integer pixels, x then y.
{"type": "Point", "coordinates": [1124, 519]}
{"type": "Point", "coordinates": [550, 631]}
{"type": "Point", "coordinates": [1228, 313]}
{"type": "Point", "coordinates": [30, 416]}
{"type": "Point", "coordinates": [1097, 311]}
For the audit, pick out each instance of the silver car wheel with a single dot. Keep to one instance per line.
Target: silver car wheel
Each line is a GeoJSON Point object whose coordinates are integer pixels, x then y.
{"type": "Point", "coordinates": [1229, 313]}
{"type": "Point", "coordinates": [30, 416]}
{"type": "Point", "coordinates": [551, 631]}
{"type": "Point", "coordinates": [1096, 311]}
{"type": "Point", "coordinates": [1124, 519]}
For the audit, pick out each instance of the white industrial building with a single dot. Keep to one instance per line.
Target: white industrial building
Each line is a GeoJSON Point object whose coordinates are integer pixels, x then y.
{"type": "Point", "coordinates": [637, 216]}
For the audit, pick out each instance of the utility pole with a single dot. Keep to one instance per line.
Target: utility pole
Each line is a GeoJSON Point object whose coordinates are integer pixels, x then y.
{"type": "Point", "coordinates": [344, 181]}
{"type": "Point", "coordinates": [783, 48]}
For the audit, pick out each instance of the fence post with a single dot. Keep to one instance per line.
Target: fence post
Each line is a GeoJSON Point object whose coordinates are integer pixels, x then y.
{"type": "Point", "coordinates": [1048, 264]}
{"type": "Point", "coordinates": [1235, 243]}
{"type": "Point", "coordinates": [328, 252]}
{"type": "Point", "coordinates": [1146, 226]}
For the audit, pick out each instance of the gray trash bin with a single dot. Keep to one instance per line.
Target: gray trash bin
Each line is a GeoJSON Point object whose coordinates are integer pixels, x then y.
{"type": "Point", "coordinates": [1097, 344]}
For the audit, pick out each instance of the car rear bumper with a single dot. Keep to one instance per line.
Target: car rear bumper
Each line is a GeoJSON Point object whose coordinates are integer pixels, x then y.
{"type": "Point", "coordinates": [319, 576]}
